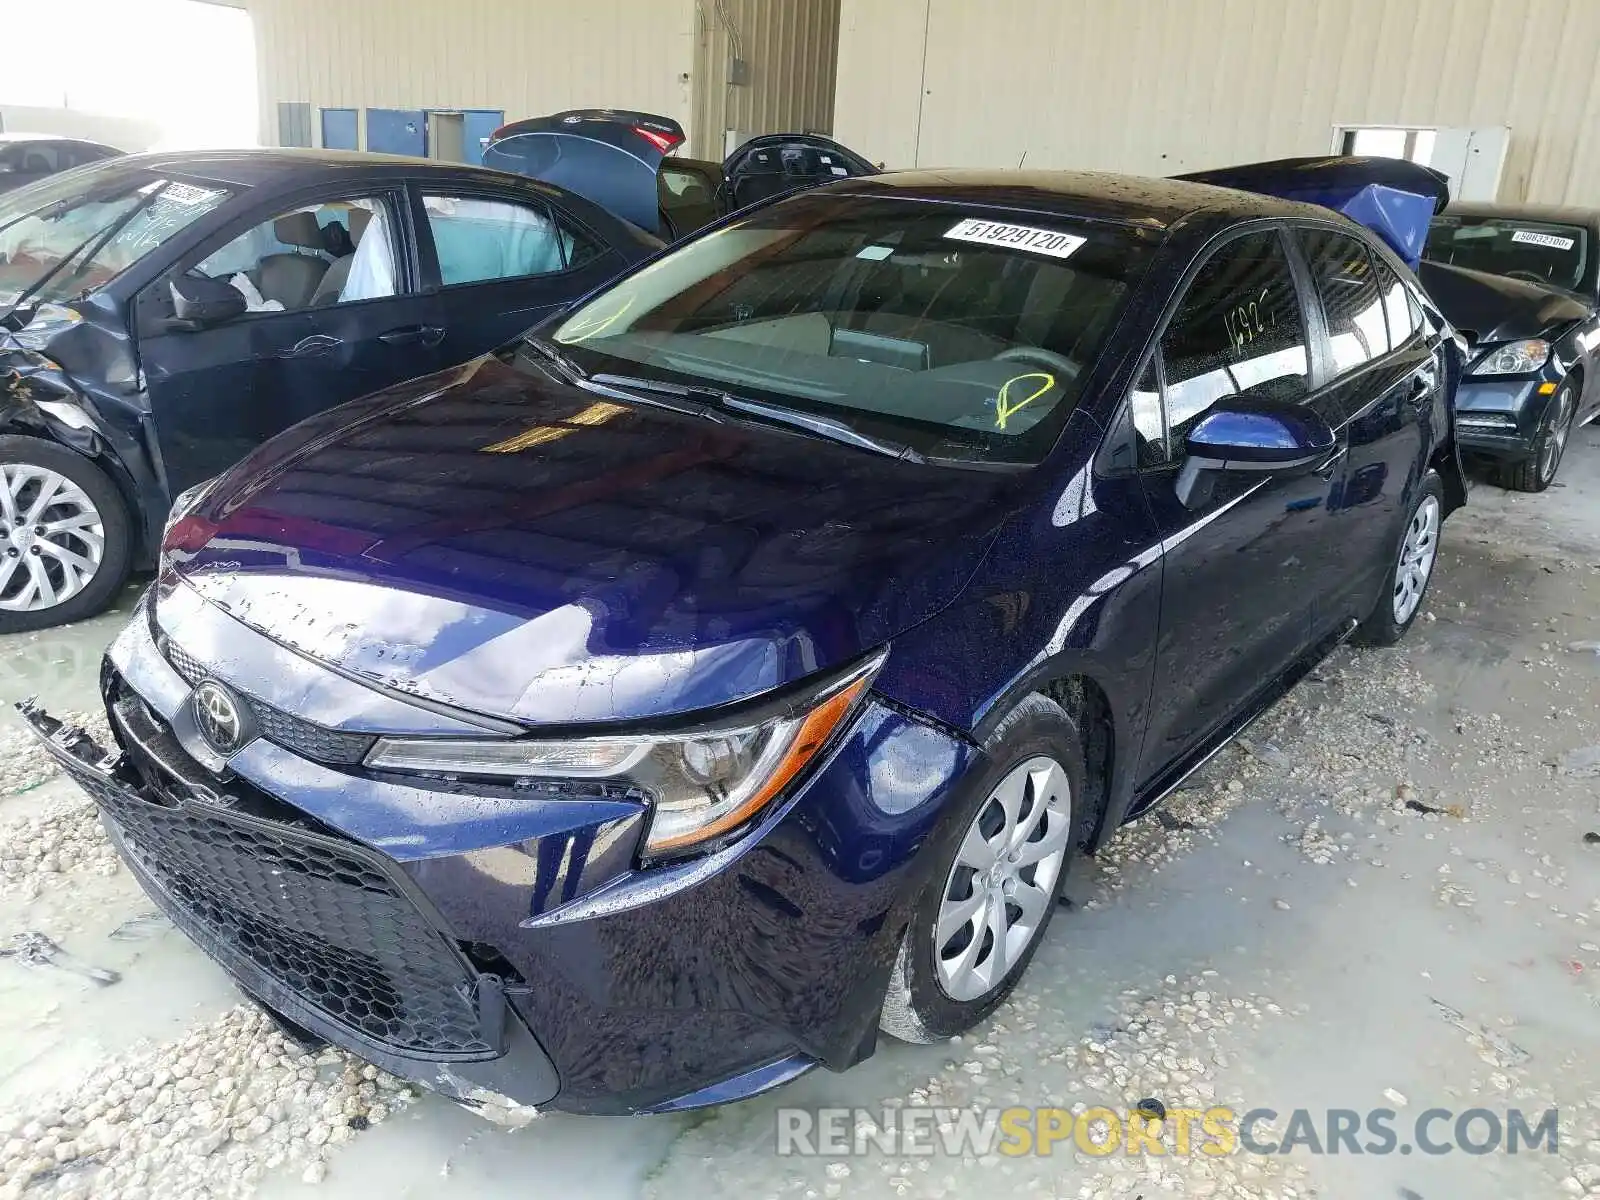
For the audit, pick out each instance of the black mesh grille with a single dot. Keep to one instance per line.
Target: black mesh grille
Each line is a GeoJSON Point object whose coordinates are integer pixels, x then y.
{"type": "Point", "coordinates": [319, 915]}
{"type": "Point", "coordinates": [291, 732]}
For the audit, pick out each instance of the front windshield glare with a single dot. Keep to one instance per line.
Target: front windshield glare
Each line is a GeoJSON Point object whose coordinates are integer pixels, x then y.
{"type": "Point", "coordinates": [965, 334]}
{"type": "Point", "coordinates": [55, 246]}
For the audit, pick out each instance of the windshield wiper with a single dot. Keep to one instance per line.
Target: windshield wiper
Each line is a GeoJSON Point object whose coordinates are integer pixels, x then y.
{"type": "Point", "coordinates": [629, 387]}
{"type": "Point", "coordinates": [824, 426]}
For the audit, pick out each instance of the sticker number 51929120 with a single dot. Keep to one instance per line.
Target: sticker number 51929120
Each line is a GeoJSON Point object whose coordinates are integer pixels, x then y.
{"type": "Point", "coordinates": [1015, 237]}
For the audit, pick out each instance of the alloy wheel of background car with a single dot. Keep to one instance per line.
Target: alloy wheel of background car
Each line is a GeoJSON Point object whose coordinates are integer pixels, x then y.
{"type": "Point", "coordinates": [970, 937]}
{"type": "Point", "coordinates": [1417, 554]}
{"type": "Point", "coordinates": [64, 535]}
{"type": "Point", "coordinates": [1003, 879]}
{"type": "Point", "coordinates": [1537, 473]}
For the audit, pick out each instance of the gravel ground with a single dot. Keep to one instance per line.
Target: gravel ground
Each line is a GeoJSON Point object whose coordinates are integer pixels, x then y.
{"type": "Point", "coordinates": [1382, 897]}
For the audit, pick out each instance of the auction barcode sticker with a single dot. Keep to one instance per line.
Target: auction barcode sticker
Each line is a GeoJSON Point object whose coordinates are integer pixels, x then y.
{"type": "Point", "coordinates": [1529, 238]}
{"type": "Point", "coordinates": [1015, 237]}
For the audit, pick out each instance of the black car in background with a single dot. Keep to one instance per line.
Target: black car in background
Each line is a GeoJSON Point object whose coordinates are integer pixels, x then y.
{"type": "Point", "coordinates": [1522, 283]}
{"type": "Point", "coordinates": [623, 161]}
{"type": "Point", "coordinates": [29, 157]}
{"type": "Point", "coordinates": [163, 314]}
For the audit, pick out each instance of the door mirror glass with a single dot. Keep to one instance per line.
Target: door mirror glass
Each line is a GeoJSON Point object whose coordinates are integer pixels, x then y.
{"type": "Point", "coordinates": [201, 303]}
{"type": "Point", "coordinates": [1257, 434]}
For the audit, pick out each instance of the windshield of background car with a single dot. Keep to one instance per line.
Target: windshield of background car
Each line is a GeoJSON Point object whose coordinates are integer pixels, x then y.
{"type": "Point", "coordinates": [1533, 250]}
{"type": "Point", "coordinates": [59, 242]}
{"type": "Point", "coordinates": [962, 333]}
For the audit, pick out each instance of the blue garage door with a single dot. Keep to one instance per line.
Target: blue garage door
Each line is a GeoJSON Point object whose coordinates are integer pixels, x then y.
{"type": "Point", "coordinates": [397, 131]}
{"type": "Point", "coordinates": [339, 129]}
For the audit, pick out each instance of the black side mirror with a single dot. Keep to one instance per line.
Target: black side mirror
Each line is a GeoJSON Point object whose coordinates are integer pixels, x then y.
{"type": "Point", "coordinates": [198, 303]}
{"type": "Point", "coordinates": [1252, 433]}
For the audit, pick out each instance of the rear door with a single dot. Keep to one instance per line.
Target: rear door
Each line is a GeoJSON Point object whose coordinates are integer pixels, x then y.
{"type": "Point", "coordinates": [322, 327]}
{"type": "Point", "coordinates": [499, 261]}
{"type": "Point", "coordinates": [1381, 379]}
{"type": "Point", "coordinates": [776, 163]}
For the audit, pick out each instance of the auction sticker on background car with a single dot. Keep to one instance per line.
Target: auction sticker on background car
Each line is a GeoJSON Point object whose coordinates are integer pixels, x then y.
{"type": "Point", "coordinates": [1018, 237]}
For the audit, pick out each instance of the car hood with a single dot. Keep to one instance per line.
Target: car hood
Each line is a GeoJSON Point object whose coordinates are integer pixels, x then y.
{"type": "Point", "coordinates": [1492, 308]}
{"type": "Point", "coordinates": [497, 540]}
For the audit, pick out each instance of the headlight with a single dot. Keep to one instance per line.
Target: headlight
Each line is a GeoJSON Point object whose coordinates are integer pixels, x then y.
{"type": "Point", "coordinates": [703, 783]}
{"type": "Point", "coordinates": [1514, 358]}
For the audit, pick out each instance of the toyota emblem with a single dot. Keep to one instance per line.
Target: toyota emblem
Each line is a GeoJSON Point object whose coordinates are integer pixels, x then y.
{"type": "Point", "coordinates": [217, 716]}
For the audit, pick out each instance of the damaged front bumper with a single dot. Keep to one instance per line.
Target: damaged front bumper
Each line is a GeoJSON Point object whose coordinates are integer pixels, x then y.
{"type": "Point", "coordinates": [504, 946]}
{"type": "Point", "coordinates": [289, 911]}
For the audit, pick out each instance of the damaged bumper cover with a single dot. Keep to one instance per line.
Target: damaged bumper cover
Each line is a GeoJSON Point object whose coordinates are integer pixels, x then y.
{"type": "Point", "coordinates": [506, 1072]}
{"type": "Point", "coordinates": [507, 950]}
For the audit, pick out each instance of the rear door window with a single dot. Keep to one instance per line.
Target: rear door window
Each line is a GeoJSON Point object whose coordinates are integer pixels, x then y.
{"type": "Point", "coordinates": [1238, 329]}
{"type": "Point", "coordinates": [1351, 301]}
{"type": "Point", "coordinates": [1398, 307]}
{"type": "Point", "coordinates": [479, 239]}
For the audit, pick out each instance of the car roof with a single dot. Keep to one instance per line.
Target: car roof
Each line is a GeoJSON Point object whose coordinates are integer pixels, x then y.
{"type": "Point", "coordinates": [1554, 213]}
{"type": "Point", "coordinates": [249, 168]}
{"type": "Point", "coordinates": [1132, 199]}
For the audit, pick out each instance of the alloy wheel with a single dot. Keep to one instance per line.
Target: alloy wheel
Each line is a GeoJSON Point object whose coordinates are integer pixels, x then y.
{"type": "Point", "coordinates": [1417, 553]}
{"type": "Point", "coordinates": [1553, 441]}
{"type": "Point", "coordinates": [52, 538]}
{"type": "Point", "coordinates": [1004, 878]}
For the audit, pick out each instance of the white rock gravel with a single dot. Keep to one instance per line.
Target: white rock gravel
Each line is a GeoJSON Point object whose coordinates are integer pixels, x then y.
{"type": "Point", "coordinates": [206, 1116]}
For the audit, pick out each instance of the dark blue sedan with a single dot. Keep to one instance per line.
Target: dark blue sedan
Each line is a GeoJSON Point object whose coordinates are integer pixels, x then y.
{"type": "Point", "coordinates": [665, 705]}
{"type": "Point", "coordinates": [161, 315]}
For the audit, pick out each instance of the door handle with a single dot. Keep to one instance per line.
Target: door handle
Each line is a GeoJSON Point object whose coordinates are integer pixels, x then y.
{"type": "Point", "coordinates": [316, 343]}
{"type": "Point", "coordinates": [413, 335]}
{"type": "Point", "coordinates": [1423, 383]}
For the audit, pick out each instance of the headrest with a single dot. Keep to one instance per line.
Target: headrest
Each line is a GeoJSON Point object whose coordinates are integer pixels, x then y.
{"type": "Point", "coordinates": [299, 229]}
{"type": "Point", "coordinates": [360, 218]}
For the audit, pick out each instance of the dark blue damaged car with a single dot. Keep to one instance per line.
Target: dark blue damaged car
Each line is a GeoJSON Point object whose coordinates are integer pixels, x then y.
{"type": "Point", "coordinates": [734, 670]}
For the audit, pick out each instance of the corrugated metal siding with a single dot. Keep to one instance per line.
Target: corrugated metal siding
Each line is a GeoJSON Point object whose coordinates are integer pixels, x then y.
{"type": "Point", "coordinates": [1159, 86]}
{"type": "Point", "coordinates": [789, 46]}
{"type": "Point", "coordinates": [527, 57]}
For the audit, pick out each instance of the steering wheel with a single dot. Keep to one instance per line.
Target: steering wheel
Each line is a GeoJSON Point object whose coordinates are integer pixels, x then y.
{"type": "Point", "coordinates": [1036, 356]}
{"type": "Point", "coordinates": [1530, 276]}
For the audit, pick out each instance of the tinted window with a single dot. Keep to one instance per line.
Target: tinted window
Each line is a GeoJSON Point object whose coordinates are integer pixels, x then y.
{"type": "Point", "coordinates": [1536, 250]}
{"type": "Point", "coordinates": [1351, 301]}
{"type": "Point", "coordinates": [1398, 307]}
{"type": "Point", "coordinates": [922, 323]}
{"type": "Point", "coordinates": [1238, 329]}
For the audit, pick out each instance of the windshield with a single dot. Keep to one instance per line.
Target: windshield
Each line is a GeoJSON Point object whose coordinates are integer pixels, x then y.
{"type": "Point", "coordinates": [1533, 250]}
{"type": "Point", "coordinates": [959, 334]}
{"type": "Point", "coordinates": [59, 241]}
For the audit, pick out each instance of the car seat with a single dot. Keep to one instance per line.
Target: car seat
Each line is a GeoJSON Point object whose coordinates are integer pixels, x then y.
{"type": "Point", "coordinates": [292, 279]}
{"type": "Point", "coordinates": [331, 286]}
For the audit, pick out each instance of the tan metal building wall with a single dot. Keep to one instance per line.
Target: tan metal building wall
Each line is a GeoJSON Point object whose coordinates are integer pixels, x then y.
{"type": "Point", "coordinates": [527, 57]}
{"type": "Point", "coordinates": [788, 47]}
{"type": "Point", "coordinates": [1160, 86]}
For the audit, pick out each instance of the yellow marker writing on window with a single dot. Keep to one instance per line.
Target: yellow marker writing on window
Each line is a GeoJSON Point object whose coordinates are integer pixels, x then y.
{"type": "Point", "coordinates": [591, 327]}
{"type": "Point", "coordinates": [1006, 406]}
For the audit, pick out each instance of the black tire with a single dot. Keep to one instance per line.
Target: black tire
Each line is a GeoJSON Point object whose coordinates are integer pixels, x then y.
{"type": "Point", "coordinates": [916, 1007]}
{"type": "Point", "coordinates": [1382, 627]}
{"type": "Point", "coordinates": [117, 555]}
{"type": "Point", "coordinates": [1538, 472]}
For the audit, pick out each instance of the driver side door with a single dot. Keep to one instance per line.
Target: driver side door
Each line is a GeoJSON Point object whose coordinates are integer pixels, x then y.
{"type": "Point", "coordinates": [1245, 560]}
{"type": "Point", "coordinates": [333, 312]}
